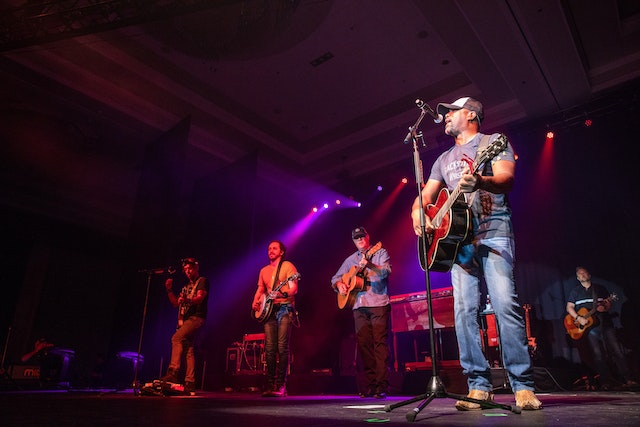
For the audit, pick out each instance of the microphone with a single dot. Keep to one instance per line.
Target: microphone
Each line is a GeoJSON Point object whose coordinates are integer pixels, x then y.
{"type": "Point", "coordinates": [437, 118]}
{"type": "Point", "coordinates": [158, 270]}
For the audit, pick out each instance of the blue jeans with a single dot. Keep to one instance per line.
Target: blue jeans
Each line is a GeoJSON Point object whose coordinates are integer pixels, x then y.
{"type": "Point", "coordinates": [182, 340]}
{"type": "Point", "coordinates": [277, 331]}
{"type": "Point", "coordinates": [603, 343]}
{"type": "Point", "coordinates": [493, 258]}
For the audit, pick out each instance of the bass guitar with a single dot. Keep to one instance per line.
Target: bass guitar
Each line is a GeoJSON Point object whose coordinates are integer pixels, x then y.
{"type": "Point", "coordinates": [451, 218]}
{"type": "Point", "coordinates": [355, 280]}
{"type": "Point", "coordinates": [266, 301]}
{"type": "Point", "coordinates": [574, 328]}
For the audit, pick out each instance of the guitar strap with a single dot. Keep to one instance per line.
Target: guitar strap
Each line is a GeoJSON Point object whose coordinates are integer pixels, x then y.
{"type": "Point", "coordinates": [484, 143]}
{"type": "Point", "coordinates": [276, 277]}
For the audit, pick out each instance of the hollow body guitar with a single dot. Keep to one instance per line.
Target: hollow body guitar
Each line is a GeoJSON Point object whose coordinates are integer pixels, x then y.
{"type": "Point", "coordinates": [355, 280]}
{"type": "Point", "coordinates": [574, 328]}
{"type": "Point", "coordinates": [266, 302]}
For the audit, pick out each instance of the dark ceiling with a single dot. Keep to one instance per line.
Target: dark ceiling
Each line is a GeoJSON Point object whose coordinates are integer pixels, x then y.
{"type": "Point", "coordinates": [321, 90]}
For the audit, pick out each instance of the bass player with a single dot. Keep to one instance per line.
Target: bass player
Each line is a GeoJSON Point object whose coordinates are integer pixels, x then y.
{"type": "Point", "coordinates": [277, 326]}
{"type": "Point", "coordinates": [371, 308]}
{"type": "Point", "coordinates": [588, 306]}
{"type": "Point", "coordinates": [486, 252]}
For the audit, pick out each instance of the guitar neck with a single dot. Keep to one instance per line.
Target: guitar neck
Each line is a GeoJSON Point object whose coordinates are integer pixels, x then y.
{"type": "Point", "coordinates": [444, 209]}
{"type": "Point", "coordinates": [527, 307]}
{"type": "Point", "coordinates": [591, 312]}
{"type": "Point", "coordinates": [285, 281]}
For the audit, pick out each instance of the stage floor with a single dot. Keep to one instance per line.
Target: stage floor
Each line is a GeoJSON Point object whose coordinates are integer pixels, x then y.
{"type": "Point", "coordinates": [124, 408]}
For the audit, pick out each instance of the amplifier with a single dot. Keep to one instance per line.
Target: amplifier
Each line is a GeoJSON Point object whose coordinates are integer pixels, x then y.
{"type": "Point", "coordinates": [489, 330]}
{"type": "Point", "coordinates": [234, 358]}
{"type": "Point", "coordinates": [25, 372]}
{"type": "Point", "coordinates": [253, 337]}
{"type": "Point", "coordinates": [409, 312]}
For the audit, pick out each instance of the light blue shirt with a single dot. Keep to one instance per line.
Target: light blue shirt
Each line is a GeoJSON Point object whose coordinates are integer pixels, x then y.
{"type": "Point", "coordinates": [375, 293]}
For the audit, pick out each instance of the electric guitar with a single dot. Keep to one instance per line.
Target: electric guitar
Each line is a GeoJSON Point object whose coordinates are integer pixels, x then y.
{"type": "Point", "coordinates": [531, 341]}
{"type": "Point", "coordinates": [266, 302]}
{"type": "Point", "coordinates": [451, 218]}
{"type": "Point", "coordinates": [184, 305]}
{"type": "Point", "coordinates": [574, 328]}
{"type": "Point", "coordinates": [354, 278]}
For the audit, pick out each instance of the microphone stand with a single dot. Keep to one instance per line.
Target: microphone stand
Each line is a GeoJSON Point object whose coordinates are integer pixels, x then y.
{"type": "Point", "coordinates": [435, 388]}
{"type": "Point", "coordinates": [4, 373]}
{"type": "Point", "coordinates": [136, 384]}
{"type": "Point", "coordinates": [150, 272]}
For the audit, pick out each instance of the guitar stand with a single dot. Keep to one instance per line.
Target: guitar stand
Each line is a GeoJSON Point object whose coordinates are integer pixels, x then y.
{"type": "Point", "coordinates": [435, 388]}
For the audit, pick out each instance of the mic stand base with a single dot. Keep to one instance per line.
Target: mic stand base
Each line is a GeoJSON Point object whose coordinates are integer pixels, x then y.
{"type": "Point", "coordinates": [435, 390]}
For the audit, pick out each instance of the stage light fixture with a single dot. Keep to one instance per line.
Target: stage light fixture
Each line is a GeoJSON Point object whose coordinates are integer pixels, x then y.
{"type": "Point", "coordinates": [588, 123]}
{"type": "Point", "coordinates": [315, 209]}
{"type": "Point", "coordinates": [326, 205]}
{"type": "Point", "coordinates": [379, 187]}
{"type": "Point", "coordinates": [405, 180]}
{"type": "Point", "coordinates": [550, 135]}
{"type": "Point", "coordinates": [338, 201]}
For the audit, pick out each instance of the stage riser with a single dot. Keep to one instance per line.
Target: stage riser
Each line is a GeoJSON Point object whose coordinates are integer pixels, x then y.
{"type": "Point", "coordinates": [308, 384]}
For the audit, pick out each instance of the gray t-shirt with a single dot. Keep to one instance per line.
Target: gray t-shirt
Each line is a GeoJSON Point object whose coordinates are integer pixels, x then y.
{"type": "Point", "coordinates": [491, 212]}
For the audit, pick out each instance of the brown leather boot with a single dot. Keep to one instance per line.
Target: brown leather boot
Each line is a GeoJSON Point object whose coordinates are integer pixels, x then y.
{"type": "Point", "coordinates": [463, 405]}
{"type": "Point", "coordinates": [527, 400]}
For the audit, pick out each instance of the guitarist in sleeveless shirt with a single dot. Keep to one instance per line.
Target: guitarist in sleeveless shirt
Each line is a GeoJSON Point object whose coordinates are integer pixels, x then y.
{"type": "Point", "coordinates": [371, 310]}
{"type": "Point", "coordinates": [192, 307]}
{"type": "Point", "coordinates": [277, 327]}
{"type": "Point", "coordinates": [599, 342]}
{"type": "Point", "coordinates": [486, 254]}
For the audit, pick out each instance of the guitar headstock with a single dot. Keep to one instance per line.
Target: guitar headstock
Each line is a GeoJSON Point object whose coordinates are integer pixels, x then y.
{"type": "Point", "coordinates": [373, 249]}
{"type": "Point", "coordinates": [294, 276]}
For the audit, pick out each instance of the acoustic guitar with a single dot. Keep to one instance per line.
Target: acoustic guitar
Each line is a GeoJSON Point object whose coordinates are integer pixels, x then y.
{"type": "Point", "coordinates": [574, 328]}
{"type": "Point", "coordinates": [266, 302]}
{"type": "Point", "coordinates": [354, 278]}
{"type": "Point", "coordinates": [451, 218]}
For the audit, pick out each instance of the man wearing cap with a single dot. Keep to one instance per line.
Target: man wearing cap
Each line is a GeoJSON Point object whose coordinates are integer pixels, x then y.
{"type": "Point", "coordinates": [192, 312]}
{"type": "Point", "coordinates": [488, 254]}
{"type": "Point", "coordinates": [371, 309]}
